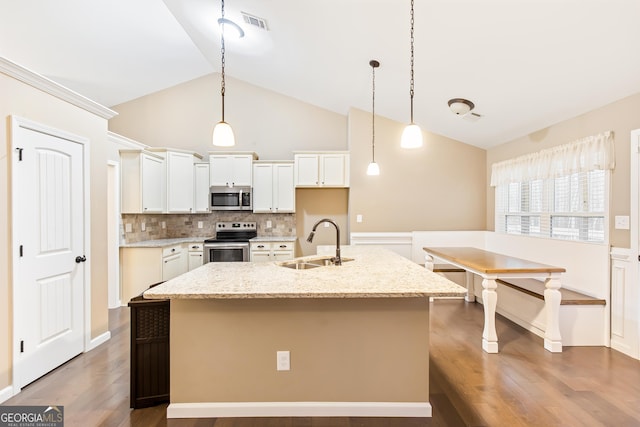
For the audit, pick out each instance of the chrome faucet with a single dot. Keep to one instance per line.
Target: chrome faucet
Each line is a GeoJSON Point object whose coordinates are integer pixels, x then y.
{"type": "Point", "coordinates": [337, 260]}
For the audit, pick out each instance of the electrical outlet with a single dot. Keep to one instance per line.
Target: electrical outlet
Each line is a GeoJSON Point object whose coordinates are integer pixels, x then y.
{"type": "Point", "coordinates": [359, 218]}
{"type": "Point", "coordinates": [283, 361]}
{"type": "Point", "coordinates": [143, 226]}
{"type": "Point", "coordinates": [269, 224]}
{"type": "Point", "coordinates": [163, 225]}
{"type": "Point", "coordinates": [200, 224]}
{"type": "Point", "coordinates": [128, 228]}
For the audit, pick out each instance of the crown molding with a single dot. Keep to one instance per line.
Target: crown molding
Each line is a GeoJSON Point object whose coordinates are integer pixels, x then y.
{"type": "Point", "coordinates": [46, 85]}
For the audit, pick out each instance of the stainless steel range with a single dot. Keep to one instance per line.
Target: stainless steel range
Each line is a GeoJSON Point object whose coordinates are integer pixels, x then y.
{"type": "Point", "coordinates": [231, 243]}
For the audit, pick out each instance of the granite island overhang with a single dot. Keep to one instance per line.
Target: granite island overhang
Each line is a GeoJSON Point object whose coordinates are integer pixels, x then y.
{"type": "Point", "coordinates": [357, 336]}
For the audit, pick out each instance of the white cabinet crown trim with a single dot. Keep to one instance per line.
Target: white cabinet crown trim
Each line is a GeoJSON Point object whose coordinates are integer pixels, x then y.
{"type": "Point", "coordinates": [46, 85]}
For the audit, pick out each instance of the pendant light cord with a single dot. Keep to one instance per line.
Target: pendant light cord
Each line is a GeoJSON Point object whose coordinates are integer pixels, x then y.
{"type": "Point", "coordinates": [222, 88]}
{"type": "Point", "coordinates": [373, 114]}
{"type": "Point", "coordinates": [411, 79]}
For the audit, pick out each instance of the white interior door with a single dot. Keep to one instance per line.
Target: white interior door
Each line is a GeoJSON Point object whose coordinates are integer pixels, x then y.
{"type": "Point", "coordinates": [48, 184]}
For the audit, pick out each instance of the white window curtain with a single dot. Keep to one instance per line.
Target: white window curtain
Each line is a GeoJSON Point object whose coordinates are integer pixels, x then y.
{"type": "Point", "coordinates": [594, 152]}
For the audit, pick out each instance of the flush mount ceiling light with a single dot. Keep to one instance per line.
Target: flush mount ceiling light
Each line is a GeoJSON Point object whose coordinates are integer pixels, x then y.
{"type": "Point", "coordinates": [460, 106]}
{"type": "Point", "coordinates": [230, 24]}
{"type": "Point", "coordinates": [373, 168]}
{"type": "Point", "coordinates": [222, 132]}
{"type": "Point", "coordinates": [412, 134]}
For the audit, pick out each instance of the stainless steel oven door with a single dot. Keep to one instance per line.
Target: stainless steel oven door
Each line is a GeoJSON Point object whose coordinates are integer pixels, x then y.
{"type": "Point", "coordinates": [226, 252]}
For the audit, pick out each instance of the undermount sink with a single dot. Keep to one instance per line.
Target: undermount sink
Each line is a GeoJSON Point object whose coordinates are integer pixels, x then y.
{"type": "Point", "coordinates": [309, 263]}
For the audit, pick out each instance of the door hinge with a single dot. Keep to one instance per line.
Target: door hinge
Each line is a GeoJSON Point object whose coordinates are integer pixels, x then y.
{"type": "Point", "coordinates": [19, 150]}
{"type": "Point", "coordinates": [21, 251]}
{"type": "Point", "coordinates": [22, 346]}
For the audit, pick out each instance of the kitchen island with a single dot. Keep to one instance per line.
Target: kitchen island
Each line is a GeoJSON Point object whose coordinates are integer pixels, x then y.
{"type": "Point", "coordinates": [357, 337]}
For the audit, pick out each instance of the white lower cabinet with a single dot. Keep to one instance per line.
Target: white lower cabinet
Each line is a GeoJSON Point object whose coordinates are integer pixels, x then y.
{"type": "Point", "coordinates": [174, 261]}
{"type": "Point", "coordinates": [196, 255]}
{"type": "Point", "coordinates": [272, 251]}
{"type": "Point", "coordinates": [141, 267]}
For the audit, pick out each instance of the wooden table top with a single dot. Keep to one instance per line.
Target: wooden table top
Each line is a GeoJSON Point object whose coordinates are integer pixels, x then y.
{"type": "Point", "coordinates": [490, 262]}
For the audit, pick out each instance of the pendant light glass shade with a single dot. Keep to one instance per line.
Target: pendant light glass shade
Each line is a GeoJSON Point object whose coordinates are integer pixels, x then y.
{"type": "Point", "coordinates": [411, 136]}
{"type": "Point", "coordinates": [223, 135]}
{"type": "Point", "coordinates": [373, 169]}
{"type": "Point", "coordinates": [222, 132]}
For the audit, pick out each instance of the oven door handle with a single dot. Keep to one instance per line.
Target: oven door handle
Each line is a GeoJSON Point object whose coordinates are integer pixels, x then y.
{"type": "Point", "coordinates": [226, 245]}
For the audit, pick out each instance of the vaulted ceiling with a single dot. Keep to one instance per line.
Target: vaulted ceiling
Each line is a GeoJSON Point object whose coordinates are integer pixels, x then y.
{"type": "Point", "coordinates": [526, 64]}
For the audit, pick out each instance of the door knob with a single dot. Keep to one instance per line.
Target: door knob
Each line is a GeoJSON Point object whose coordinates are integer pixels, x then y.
{"type": "Point", "coordinates": [80, 259]}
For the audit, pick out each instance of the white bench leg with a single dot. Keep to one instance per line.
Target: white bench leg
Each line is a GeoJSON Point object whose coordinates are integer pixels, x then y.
{"type": "Point", "coordinates": [489, 300]}
{"type": "Point", "coordinates": [552, 298]}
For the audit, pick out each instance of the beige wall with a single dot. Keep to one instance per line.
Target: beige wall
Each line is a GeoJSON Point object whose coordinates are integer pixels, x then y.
{"type": "Point", "coordinates": [440, 186]}
{"type": "Point", "coordinates": [315, 204]}
{"type": "Point", "coordinates": [23, 100]}
{"type": "Point", "coordinates": [621, 117]}
{"type": "Point", "coordinates": [342, 350]}
{"type": "Point", "coordinates": [263, 121]}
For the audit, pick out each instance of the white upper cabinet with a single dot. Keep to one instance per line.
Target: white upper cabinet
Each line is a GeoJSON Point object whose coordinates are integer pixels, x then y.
{"type": "Point", "coordinates": [322, 169]}
{"type": "Point", "coordinates": [180, 179]}
{"type": "Point", "coordinates": [273, 187]}
{"type": "Point", "coordinates": [143, 182]}
{"type": "Point", "coordinates": [231, 169]}
{"type": "Point", "coordinates": [201, 188]}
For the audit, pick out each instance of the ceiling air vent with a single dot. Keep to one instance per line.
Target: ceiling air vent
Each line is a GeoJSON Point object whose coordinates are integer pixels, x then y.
{"type": "Point", "coordinates": [255, 21]}
{"type": "Point", "coordinates": [472, 117]}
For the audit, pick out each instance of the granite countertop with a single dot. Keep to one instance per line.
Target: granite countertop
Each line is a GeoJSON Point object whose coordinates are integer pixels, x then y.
{"type": "Point", "coordinates": [375, 272]}
{"type": "Point", "coordinates": [160, 243]}
{"type": "Point", "coordinates": [274, 239]}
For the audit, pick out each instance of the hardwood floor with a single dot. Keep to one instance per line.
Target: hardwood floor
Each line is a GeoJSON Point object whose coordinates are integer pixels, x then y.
{"type": "Point", "coordinates": [523, 385]}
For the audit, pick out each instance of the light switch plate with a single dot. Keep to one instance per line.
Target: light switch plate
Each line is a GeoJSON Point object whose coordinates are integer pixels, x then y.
{"type": "Point", "coordinates": [359, 218]}
{"type": "Point", "coordinates": [269, 224]}
{"type": "Point", "coordinates": [143, 226]}
{"type": "Point", "coordinates": [128, 228]}
{"type": "Point", "coordinates": [200, 224]}
{"type": "Point", "coordinates": [622, 222]}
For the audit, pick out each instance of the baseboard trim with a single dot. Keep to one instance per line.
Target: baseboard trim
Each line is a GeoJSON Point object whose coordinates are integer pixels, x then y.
{"type": "Point", "coordinates": [6, 393]}
{"type": "Point", "coordinates": [100, 339]}
{"type": "Point", "coordinates": [298, 409]}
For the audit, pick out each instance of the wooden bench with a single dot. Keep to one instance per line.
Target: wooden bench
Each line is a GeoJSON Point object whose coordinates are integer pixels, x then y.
{"type": "Point", "coordinates": [536, 288]}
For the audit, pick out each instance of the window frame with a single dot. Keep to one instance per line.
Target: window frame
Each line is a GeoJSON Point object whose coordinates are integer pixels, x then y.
{"type": "Point", "coordinates": [544, 229]}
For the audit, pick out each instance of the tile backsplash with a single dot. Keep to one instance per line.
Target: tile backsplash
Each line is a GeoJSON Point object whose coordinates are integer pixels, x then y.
{"type": "Point", "coordinates": [138, 227]}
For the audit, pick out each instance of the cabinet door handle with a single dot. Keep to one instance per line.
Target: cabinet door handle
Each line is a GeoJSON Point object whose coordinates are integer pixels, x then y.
{"type": "Point", "coordinates": [283, 246]}
{"type": "Point", "coordinates": [261, 246]}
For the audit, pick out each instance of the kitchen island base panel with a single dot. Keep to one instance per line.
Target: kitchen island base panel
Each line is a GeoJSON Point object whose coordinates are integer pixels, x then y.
{"type": "Point", "coordinates": [299, 409]}
{"type": "Point", "coordinates": [342, 350]}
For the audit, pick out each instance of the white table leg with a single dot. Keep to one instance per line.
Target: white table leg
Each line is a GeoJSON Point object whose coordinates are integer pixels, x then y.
{"type": "Point", "coordinates": [552, 297]}
{"type": "Point", "coordinates": [490, 300]}
{"type": "Point", "coordinates": [428, 262]}
{"type": "Point", "coordinates": [468, 281]}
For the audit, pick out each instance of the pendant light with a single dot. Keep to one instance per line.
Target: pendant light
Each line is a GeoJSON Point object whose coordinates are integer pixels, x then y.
{"type": "Point", "coordinates": [373, 168]}
{"type": "Point", "coordinates": [222, 132]}
{"type": "Point", "coordinates": [412, 134]}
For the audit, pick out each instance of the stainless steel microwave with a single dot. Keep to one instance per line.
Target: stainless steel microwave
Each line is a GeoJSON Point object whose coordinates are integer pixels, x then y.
{"type": "Point", "coordinates": [230, 198]}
